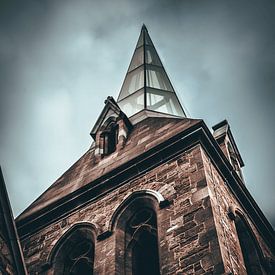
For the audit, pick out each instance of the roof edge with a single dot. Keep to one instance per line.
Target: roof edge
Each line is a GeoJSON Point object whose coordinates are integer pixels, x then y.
{"type": "Point", "coordinates": [196, 134]}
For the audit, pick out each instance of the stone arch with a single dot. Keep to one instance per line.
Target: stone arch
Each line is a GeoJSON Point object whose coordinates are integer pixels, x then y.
{"type": "Point", "coordinates": [74, 251]}
{"type": "Point", "coordinates": [109, 136]}
{"type": "Point", "coordinates": [135, 223]}
{"type": "Point", "coordinates": [107, 122]}
{"type": "Point", "coordinates": [139, 193]}
{"type": "Point", "coordinates": [252, 253]}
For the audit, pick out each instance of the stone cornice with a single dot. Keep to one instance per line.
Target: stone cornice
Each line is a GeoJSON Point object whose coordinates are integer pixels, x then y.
{"type": "Point", "coordinates": [196, 134]}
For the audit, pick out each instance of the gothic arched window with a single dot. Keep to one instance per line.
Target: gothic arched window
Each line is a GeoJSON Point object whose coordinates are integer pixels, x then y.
{"type": "Point", "coordinates": [75, 253]}
{"type": "Point", "coordinates": [250, 250]}
{"type": "Point", "coordinates": [141, 244]}
{"type": "Point", "coordinates": [137, 240]}
{"type": "Point", "coordinates": [80, 259]}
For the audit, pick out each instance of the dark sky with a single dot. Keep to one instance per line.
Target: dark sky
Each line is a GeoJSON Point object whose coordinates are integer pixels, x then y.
{"type": "Point", "coordinates": [59, 60]}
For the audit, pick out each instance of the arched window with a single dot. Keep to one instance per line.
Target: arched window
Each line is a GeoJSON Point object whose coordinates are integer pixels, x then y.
{"type": "Point", "coordinates": [74, 254]}
{"type": "Point", "coordinates": [79, 260]}
{"type": "Point", "coordinates": [137, 239]}
{"type": "Point", "coordinates": [250, 250]}
{"type": "Point", "coordinates": [141, 244]}
{"type": "Point", "coordinates": [110, 138]}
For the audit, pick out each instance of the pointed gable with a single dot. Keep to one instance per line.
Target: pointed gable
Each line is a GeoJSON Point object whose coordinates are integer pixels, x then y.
{"type": "Point", "coordinates": [110, 109]}
{"type": "Point", "coordinates": [111, 128]}
{"type": "Point", "coordinates": [146, 85]}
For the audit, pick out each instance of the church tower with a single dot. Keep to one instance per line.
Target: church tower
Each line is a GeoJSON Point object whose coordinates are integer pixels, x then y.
{"type": "Point", "coordinates": [156, 193]}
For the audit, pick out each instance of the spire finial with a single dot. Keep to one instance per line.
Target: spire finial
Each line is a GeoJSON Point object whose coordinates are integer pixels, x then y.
{"type": "Point", "coordinates": [144, 27]}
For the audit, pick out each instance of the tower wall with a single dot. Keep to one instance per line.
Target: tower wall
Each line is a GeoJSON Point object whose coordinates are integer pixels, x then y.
{"type": "Point", "coordinates": [195, 233]}
{"type": "Point", "coordinates": [223, 201]}
{"type": "Point", "coordinates": [187, 235]}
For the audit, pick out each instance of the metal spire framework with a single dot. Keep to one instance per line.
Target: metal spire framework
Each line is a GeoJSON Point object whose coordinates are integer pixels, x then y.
{"type": "Point", "coordinates": [146, 84]}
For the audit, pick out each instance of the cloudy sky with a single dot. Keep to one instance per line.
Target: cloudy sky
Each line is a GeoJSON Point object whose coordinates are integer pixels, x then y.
{"type": "Point", "coordinates": [59, 60]}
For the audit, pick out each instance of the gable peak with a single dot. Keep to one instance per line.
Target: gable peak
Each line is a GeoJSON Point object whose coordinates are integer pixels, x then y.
{"type": "Point", "coordinates": [110, 110]}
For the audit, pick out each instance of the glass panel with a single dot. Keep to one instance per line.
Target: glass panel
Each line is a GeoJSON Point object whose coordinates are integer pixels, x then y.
{"type": "Point", "coordinates": [133, 82]}
{"type": "Point", "coordinates": [133, 103]}
{"type": "Point", "coordinates": [151, 57]}
{"type": "Point", "coordinates": [137, 59]}
{"type": "Point", "coordinates": [140, 40]}
{"type": "Point", "coordinates": [148, 40]}
{"type": "Point", "coordinates": [164, 102]}
{"type": "Point", "coordinates": [157, 78]}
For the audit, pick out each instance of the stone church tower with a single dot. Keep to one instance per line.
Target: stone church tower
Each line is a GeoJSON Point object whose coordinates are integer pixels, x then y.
{"type": "Point", "coordinates": [156, 193]}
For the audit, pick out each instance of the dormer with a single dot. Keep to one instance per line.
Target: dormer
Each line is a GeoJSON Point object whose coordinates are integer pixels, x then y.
{"type": "Point", "coordinates": [224, 137]}
{"type": "Point", "coordinates": [111, 129]}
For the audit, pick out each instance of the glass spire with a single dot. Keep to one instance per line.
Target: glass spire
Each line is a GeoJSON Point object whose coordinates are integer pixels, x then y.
{"type": "Point", "coordinates": [146, 85]}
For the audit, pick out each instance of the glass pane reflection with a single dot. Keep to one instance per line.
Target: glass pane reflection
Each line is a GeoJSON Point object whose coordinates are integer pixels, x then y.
{"type": "Point", "coordinates": [157, 78]}
{"type": "Point", "coordinates": [151, 56]}
{"type": "Point", "coordinates": [133, 82]}
{"type": "Point", "coordinates": [164, 102]}
{"type": "Point", "coordinates": [137, 59]}
{"type": "Point", "coordinates": [133, 103]}
{"type": "Point", "coordinates": [140, 41]}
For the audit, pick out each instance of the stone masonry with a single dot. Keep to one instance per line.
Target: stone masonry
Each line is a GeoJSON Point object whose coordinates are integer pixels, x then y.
{"type": "Point", "coordinates": [156, 192]}
{"type": "Point", "coordinates": [195, 234]}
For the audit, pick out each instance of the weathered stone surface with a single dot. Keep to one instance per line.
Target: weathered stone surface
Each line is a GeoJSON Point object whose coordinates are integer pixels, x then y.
{"type": "Point", "coordinates": [195, 233]}
{"type": "Point", "coordinates": [228, 242]}
{"type": "Point", "coordinates": [180, 224]}
{"type": "Point", "coordinates": [86, 169]}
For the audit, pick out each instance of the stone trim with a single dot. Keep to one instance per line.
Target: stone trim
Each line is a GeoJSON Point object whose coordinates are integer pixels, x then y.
{"type": "Point", "coordinates": [139, 193]}
{"type": "Point", "coordinates": [49, 264]}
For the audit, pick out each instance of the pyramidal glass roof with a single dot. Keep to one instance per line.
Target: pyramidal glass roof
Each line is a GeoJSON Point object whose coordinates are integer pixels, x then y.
{"type": "Point", "coordinates": [146, 84]}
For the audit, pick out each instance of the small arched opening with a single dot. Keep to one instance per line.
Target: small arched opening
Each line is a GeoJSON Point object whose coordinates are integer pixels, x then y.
{"type": "Point", "coordinates": [109, 137]}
